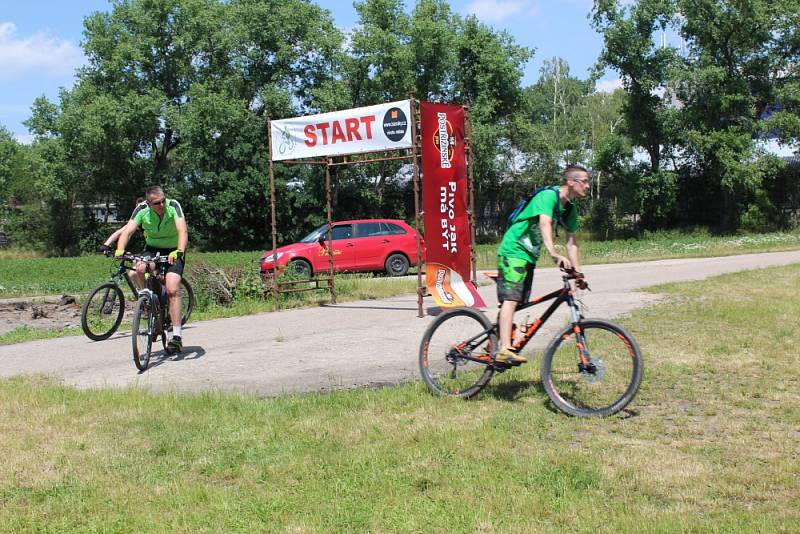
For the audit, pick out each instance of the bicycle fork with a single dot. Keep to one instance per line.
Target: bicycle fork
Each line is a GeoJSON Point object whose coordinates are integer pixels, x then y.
{"type": "Point", "coordinates": [584, 359]}
{"type": "Point", "coordinates": [155, 311]}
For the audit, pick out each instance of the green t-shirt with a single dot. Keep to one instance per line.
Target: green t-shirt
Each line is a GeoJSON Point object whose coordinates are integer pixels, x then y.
{"type": "Point", "coordinates": [523, 239]}
{"type": "Point", "coordinates": [158, 232]}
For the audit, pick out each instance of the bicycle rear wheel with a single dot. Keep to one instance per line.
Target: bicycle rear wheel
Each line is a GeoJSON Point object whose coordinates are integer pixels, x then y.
{"type": "Point", "coordinates": [142, 332]}
{"type": "Point", "coordinates": [102, 311]}
{"type": "Point", "coordinates": [610, 380]}
{"type": "Point", "coordinates": [448, 343]}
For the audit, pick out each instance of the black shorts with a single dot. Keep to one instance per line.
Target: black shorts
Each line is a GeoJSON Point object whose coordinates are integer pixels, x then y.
{"type": "Point", "coordinates": [176, 267]}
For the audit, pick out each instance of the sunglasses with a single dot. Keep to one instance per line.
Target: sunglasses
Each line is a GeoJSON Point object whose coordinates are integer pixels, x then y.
{"type": "Point", "coordinates": [159, 203]}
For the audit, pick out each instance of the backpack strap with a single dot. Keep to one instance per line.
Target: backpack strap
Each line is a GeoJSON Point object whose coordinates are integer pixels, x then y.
{"type": "Point", "coordinates": [557, 214]}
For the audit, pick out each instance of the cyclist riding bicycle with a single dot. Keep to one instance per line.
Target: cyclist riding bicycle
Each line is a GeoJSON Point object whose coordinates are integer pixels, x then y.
{"type": "Point", "coordinates": [166, 234]}
{"type": "Point", "coordinates": [519, 250]}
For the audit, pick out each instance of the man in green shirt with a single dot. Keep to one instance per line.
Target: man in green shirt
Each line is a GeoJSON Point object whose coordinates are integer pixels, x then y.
{"type": "Point", "coordinates": [522, 242]}
{"type": "Point", "coordinates": [165, 233]}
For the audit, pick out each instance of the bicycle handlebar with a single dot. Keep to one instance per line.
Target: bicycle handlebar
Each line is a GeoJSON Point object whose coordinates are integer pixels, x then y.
{"type": "Point", "coordinates": [136, 257]}
{"type": "Point", "coordinates": [573, 274]}
{"type": "Point", "coordinates": [158, 259]}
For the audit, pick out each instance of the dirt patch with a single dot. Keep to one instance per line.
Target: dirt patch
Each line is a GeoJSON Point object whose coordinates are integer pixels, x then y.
{"type": "Point", "coordinates": [46, 315]}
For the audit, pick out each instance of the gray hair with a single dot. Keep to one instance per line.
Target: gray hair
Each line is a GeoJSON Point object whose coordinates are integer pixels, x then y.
{"type": "Point", "coordinates": [154, 190]}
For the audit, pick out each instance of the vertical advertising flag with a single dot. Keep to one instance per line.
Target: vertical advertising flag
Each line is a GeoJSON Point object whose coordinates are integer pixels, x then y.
{"type": "Point", "coordinates": [444, 202]}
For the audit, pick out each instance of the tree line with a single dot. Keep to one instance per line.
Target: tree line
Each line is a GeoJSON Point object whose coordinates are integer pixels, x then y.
{"type": "Point", "coordinates": [178, 92]}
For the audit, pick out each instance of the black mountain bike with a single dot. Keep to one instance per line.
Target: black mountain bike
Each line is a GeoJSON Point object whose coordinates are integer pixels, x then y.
{"type": "Point", "coordinates": [590, 368]}
{"type": "Point", "coordinates": [104, 307]}
{"type": "Point", "coordinates": [150, 314]}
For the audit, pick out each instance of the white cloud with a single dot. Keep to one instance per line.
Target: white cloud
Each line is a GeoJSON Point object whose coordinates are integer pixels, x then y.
{"type": "Point", "coordinates": [608, 86]}
{"type": "Point", "coordinates": [40, 53]}
{"type": "Point", "coordinates": [773, 146]}
{"type": "Point", "coordinates": [24, 138]}
{"type": "Point", "coordinates": [495, 10]}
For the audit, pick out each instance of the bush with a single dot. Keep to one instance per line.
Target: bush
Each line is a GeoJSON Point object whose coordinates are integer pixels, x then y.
{"type": "Point", "coordinates": [601, 221]}
{"type": "Point", "coordinates": [761, 216]}
{"type": "Point", "coordinates": [605, 224]}
{"type": "Point", "coordinates": [223, 285]}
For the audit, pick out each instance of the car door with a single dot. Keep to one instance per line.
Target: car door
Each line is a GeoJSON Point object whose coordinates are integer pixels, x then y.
{"type": "Point", "coordinates": [344, 249]}
{"type": "Point", "coordinates": [371, 246]}
{"type": "Point", "coordinates": [404, 240]}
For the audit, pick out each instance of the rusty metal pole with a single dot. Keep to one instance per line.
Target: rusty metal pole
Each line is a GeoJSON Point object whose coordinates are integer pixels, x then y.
{"type": "Point", "coordinates": [276, 288]}
{"type": "Point", "coordinates": [331, 281]}
{"type": "Point", "coordinates": [414, 152]}
{"type": "Point", "coordinates": [470, 164]}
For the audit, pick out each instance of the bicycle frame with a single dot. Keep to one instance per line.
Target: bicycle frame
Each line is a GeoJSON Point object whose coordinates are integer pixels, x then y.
{"type": "Point", "coordinates": [153, 287]}
{"type": "Point", "coordinates": [122, 273]}
{"type": "Point", "coordinates": [565, 294]}
{"type": "Point", "coordinates": [559, 296]}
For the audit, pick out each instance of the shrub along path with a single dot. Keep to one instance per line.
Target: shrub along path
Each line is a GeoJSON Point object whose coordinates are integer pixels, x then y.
{"type": "Point", "coordinates": [337, 346]}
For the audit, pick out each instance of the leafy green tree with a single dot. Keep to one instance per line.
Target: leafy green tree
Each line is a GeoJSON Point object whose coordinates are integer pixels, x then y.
{"type": "Point", "coordinates": [601, 116]}
{"type": "Point", "coordinates": [488, 77]}
{"type": "Point", "coordinates": [735, 70]}
{"type": "Point", "coordinates": [8, 152]}
{"type": "Point", "coordinates": [438, 56]}
{"type": "Point", "coordinates": [45, 193]}
{"type": "Point", "coordinates": [629, 47]}
{"type": "Point", "coordinates": [554, 129]}
{"type": "Point", "coordinates": [178, 92]}
{"type": "Point", "coordinates": [380, 64]}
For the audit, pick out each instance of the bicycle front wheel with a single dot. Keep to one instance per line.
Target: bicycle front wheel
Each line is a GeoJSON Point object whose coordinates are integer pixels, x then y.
{"type": "Point", "coordinates": [601, 383]}
{"type": "Point", "coordinates": [187, 300]}
{"type": "Point", "coordinates": [455, 356]}
{"type": "Point", "coordinates": [142, 332]}
{"type": "Point", "coordinates": [102, 311]}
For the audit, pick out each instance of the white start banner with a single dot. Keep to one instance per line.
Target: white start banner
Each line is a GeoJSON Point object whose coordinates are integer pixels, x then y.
{"type": "Point", "coordinates": [351, 131]}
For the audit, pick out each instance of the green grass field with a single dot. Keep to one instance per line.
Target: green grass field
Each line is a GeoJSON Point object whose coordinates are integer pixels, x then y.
{"type": "Point", "coordinates": [30, 276]}
{"type": "Point", "coordinates": [711, 444]}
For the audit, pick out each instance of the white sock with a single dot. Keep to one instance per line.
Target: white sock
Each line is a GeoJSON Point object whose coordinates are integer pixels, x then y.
{"type": "Point", "coordinates": [176, 330]}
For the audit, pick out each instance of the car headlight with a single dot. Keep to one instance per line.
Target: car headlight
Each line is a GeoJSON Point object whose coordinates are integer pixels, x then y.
{"type": "Point", "coordinates": [272, 257]}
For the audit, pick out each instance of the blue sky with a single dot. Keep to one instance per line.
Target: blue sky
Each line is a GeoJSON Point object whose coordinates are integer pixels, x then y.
{"type": "Point", "coordinates": [40, 42]}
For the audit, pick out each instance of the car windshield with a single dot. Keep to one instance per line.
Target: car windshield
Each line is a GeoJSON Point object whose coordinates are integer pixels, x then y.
{"type": "Point", "coordinates": [314, 236]}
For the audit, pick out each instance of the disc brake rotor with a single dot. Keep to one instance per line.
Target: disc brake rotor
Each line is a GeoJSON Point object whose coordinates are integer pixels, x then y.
{"type": "Point", "coordinates": [599, 373]}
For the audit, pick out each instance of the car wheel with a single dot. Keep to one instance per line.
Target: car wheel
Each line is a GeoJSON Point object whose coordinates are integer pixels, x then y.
{"type": "Point", "coordinates": [396, 265]}
{"type": "Point", "coordinates": [300, 268]}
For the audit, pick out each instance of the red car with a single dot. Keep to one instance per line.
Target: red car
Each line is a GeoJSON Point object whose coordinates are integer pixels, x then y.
{"type": "Point", "coordinates": [364, 245]}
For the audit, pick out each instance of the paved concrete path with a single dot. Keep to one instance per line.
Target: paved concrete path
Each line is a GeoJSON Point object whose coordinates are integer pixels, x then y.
{"type": "Point", "coordinates": [336, 346]}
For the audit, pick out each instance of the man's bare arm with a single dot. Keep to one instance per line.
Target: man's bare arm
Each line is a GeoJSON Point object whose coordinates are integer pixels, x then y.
{"type": "Point", "coordinates": [573, 252]}
{"type": "Point", "coordinates": [126, 233]}
{"type": "Point", "coordinates": [546, 229]}
{"type": "Point", "coordinates": [183, 233]}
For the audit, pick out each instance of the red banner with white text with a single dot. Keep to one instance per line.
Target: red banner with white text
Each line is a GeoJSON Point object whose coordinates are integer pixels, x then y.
{"type": "Point", "coordinates": [444, 202]}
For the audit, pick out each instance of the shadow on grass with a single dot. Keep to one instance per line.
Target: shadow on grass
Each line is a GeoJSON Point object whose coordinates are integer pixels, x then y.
{"type": "Point", "coordinates": [512, 390]}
